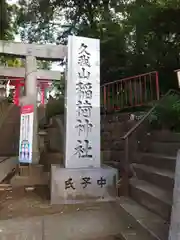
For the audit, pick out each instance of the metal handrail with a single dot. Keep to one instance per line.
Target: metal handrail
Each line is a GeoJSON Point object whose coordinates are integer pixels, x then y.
{"type": "Point", "coordinates": [131, 131]}
{"type": "Point", "coordinates": [147, 115]}
{"type": "Point", "coordinates": [128, 78]}
{"type": "Point", "coordinates": [130, 91]}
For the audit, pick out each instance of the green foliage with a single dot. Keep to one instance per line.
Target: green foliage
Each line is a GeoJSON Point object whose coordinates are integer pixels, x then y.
{"type": "Point", "coordinates": [167, 114]}
{"type": "Point", "coordinates": [10, 97]}
{"type": "Point", "coordinates": [59, 87]}
{"type": "Point", "coordinates": [136, 36]}
{"type": "Point", "coordinates": [43, 64]}
{"type": "Point", "coordinates": [8, 25]}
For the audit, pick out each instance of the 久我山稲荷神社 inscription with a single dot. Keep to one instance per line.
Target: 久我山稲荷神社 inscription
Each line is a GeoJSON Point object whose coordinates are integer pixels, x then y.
{"type": "Point", "coordinates": [83, 103]}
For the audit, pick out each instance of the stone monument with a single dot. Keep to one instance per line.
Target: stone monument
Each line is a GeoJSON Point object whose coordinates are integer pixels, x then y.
{"type": "Point", "coordinates": [82, 178]}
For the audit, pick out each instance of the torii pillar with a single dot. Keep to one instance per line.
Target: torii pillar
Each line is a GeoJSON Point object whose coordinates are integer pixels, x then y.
{"type": "Point", "coordinates": [31, 98]}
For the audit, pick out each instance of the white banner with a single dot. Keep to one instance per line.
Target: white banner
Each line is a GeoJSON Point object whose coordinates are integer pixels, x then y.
{"type": "Point", "coordinates": [26, 134]}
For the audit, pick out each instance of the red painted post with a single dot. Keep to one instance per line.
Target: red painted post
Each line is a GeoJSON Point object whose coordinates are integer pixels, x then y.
{"type": "Point", "coordinates": [121, 96]}
{"type": "Point", "coordinates": [42, 89]}
{"type": "Point", "coordinates": [16, 93]}
{"type": "Point", "coordinates": [157, 85]}
{"type": "Point", "coordinates": [108, 101]}
{"type": "Point", "coordinates": [130, 93]}
{"type": "Point", "coordinates": [117, 96]}
{"type": "Point", "coordinates": [112, 97]}
{"type": "Point", "coordinates": [145, 88]}
{"type": "Point", "coordinates": [151, 91]}
{"type": "Point", "coordinates": [140, 90]}
{"type": "Point", "coordinates": [135, 92]}
{"type": "Point", "coordinates": [42, 96]}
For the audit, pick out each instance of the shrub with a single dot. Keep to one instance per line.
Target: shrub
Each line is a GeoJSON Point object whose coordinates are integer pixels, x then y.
{"type": "Point", "coordinates": [167, 113]}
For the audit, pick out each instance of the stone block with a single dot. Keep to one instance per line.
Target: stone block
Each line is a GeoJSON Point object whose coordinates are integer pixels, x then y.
{"type": "Point", "coordinates": [31, 170]}
{"type": "Point", "coordinates": [70, 186]}
{"type": "Point", "coordinates": [17, 181]}
{"type": "Point", "coordinates": [54, 139]}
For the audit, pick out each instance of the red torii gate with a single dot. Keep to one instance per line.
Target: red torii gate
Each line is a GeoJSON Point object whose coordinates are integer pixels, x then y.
{"type": "Point", "coordinates": [16, 78]}
{"type": "Point", "coordinates": [19, 82]}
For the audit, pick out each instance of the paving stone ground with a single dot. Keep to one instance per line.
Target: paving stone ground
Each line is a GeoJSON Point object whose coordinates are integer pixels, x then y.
{"type": "Point", "coordinates": [97, 223]}
{"type": "Point", "coordinates": [29, 216]}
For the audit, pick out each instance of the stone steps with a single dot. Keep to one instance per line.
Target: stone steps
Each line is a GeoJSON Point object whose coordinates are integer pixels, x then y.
{"type": "Point", "coordinates": [160, 177]}
{"type": "Point", "coordinates": [165, 136]}
{"type": "Point", "coordinates": [146, 212]}
{"type": "Point", "coordinates": [139, 223]}
{"type": "Point", "coordinates": [152, 197]}
{"type": "Point", "coordinates": [153, 181]}
{"type": "Point", "coordinates": [166, 148]}
{"type": "Point", "coordinates": [156, 160]}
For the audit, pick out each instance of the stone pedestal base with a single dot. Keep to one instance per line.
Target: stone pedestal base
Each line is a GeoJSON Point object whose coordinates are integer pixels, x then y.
{"type": "Point", "coordinates": [19, 181]}
{"type": "Point", "coordinates": [70, 186]}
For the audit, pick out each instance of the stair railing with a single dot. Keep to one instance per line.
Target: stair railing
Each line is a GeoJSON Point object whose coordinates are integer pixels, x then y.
{"type": "Point", "coordinates": [126, 138]}
{"type": "Point", "coordinates": [130, 92]}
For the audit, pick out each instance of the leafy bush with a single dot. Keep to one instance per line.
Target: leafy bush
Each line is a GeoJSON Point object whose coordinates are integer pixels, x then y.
{"type": "Point", "coordinates": [167, 113]}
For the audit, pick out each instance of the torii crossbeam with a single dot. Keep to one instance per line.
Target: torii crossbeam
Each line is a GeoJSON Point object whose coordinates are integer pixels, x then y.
{"type": "Point", "coordinates": [17, 77]}
{"type": "Point", "coordinates": [46, 52]}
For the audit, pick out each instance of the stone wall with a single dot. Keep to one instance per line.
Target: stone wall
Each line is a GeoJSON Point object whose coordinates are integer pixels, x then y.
{"type": "Point", "coordinates": [56, 134]}
{"type": "Point", "coordinates": [113, 127]}
{"type": "Point", "coordinates": [9, 133]}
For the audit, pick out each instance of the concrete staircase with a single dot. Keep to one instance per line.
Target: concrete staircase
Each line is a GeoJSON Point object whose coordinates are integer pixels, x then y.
{"type": "Point", "coordinates": [147, 209]}
{"type": "Point", "coordinates": [145, 212]}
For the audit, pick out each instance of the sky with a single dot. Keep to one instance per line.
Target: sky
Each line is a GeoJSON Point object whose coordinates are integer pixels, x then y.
{"type": "Point", "coordinates": [11, 1]}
